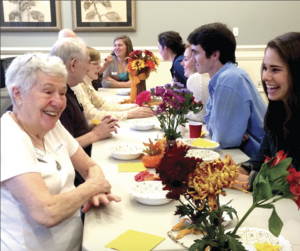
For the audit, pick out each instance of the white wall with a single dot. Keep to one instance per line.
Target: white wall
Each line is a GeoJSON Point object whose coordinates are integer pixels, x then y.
{"type": "Point", "coordinates": [258, 22]}
{"type": "Point", "coordinates": [248, 57]}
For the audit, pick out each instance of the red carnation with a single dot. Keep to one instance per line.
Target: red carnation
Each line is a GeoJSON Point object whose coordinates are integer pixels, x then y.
{"type": "Point", "coordinates": [144, 96]}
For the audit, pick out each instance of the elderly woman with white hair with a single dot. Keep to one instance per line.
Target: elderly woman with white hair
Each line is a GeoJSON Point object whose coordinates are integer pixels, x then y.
{"type": "Point", "coordinates": [39, 203]}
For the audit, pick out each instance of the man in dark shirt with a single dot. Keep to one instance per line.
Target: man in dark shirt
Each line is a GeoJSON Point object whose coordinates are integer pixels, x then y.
{"type": "Point", "coordinates": [75, 56]}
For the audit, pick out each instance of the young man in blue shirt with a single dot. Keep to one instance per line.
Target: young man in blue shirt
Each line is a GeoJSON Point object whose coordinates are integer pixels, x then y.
{"type": "Point", "coordinates": [235, 109]}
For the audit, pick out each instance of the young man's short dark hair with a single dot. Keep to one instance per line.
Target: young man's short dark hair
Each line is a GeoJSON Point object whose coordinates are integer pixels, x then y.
{"type": "Point", "coordinates": [215, 37]}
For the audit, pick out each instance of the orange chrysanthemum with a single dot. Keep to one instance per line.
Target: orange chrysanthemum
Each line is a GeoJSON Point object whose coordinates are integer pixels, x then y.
{"type": "Point", "coordinates": [209, 178]}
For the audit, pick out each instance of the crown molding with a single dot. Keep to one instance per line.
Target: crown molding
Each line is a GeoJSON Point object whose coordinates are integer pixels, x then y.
{"type": "Point", "coordinates": [251, 52]}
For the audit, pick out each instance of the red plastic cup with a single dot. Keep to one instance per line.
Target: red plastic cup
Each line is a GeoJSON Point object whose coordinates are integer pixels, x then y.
{"type": "Point", "coordinates": [195, 129]}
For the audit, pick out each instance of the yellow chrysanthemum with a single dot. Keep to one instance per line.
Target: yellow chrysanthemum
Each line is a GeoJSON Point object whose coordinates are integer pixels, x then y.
{"type": "Point", "coordinates": [209, 178]}
{"type": "Point", "coordinates": [138, 64]}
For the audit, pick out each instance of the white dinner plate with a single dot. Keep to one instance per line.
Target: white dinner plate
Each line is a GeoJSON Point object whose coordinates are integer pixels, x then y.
{"type": "Point", "coordinates": [250, 236]}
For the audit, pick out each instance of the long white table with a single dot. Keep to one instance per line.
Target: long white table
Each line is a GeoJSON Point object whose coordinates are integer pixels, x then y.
{"type": "Point", "coordinates": [105, 223]}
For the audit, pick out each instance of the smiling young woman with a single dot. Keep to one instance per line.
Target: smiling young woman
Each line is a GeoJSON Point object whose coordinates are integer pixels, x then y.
{"type": "Point", "coordinates": [116, 75]}
{"type": "Point", "coordinates": [281, 82]}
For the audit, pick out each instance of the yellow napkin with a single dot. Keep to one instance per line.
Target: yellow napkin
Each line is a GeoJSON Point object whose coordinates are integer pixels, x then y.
{"type": "Point", "coordinates": [131, 167]}
{"type": "Point", "coordinates": [266, 247]}
{"type": "Point", "coordinates": [135, 241]}
{"type": "Point", "coordinates": [204, 143]}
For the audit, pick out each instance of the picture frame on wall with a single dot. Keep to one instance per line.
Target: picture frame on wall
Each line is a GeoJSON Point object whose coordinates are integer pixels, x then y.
{"type": "Point", "coordinates": [41, 15]}
{"type": "Point", "coordinates": [108, 15]}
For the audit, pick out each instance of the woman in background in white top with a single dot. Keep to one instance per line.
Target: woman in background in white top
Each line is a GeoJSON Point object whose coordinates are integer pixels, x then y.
{"type": "Point", "coordinates": [196, 83]}
{"type": "Point", "coordinates": [94, 105]}
{"type": "Point", "coordinates": [39, 203]}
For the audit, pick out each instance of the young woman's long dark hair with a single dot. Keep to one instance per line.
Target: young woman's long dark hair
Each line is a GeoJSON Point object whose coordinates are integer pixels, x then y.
{"type": "Point", "coordinates": [283, 117]}
{"type": "Point", "coordinates": [173, 41]}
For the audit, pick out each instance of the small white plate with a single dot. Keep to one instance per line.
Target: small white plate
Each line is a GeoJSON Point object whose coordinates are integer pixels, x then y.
{"type": "Point", "coordinates": [205, 155]}
{"type": "Point", "coordinates": [143, 124]}
{"type": "Point", "coordinates": [126, 151]}
{"type": "Point", "coordinates": [149, 192]}
{"type": "Point", "coordinates": [124, 91]}
{"type": "Point", "coordinates": [189, 142]}
{"type": "Point", "coordinates": [250, 236]}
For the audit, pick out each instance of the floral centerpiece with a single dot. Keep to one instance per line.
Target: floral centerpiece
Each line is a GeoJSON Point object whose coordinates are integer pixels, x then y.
{"type": "Point", "coordinates": [201, 184]}
{"type": "Point", "coordinates": [176, 102]}
{"type": "Point", "coordinates": [139, 66]}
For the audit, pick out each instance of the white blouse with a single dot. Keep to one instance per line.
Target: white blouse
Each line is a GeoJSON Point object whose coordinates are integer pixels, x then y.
{"type": "Point", "coordinates": [18, 156]}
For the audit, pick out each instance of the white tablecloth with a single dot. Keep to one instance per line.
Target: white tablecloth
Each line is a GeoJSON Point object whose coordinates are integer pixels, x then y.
{"type": "Point", "coordinates": [105, 223]}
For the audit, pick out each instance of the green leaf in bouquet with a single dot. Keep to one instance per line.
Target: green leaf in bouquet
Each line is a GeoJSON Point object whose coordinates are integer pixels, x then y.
{"type": "Point", "coordinates": [222, 240]}
{"type": "Point", "coordinates": [279, 185]}
{"type": "Point", "coordinates": [259, 178]}
{"type": "Point", "coordinates": [286, 195]}
{"type": "Point", "coordinates": [230, 211]}
{"type": "Point", "coordinates": [263, 189]}
{"type": "Point", "coordinates": [213, 215]}
{"type": "Point", "coordinates": [199, 245]}
{"type": "Point", "coordinates": [184, 210]}
{"type": "Point", "coordinates": [201, 218]}
{"type": "Point", "coordinates": [279, 170]}
{"type": "Point", "coordinates": [211, 231]}
{"type": "Point", "coordinates": [275, 223]}
{"type": "Point", "coordinates": [233, 242]}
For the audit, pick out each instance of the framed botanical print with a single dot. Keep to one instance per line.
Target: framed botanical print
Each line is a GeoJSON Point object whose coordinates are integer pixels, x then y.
{"type": "Point", "coordinates": [108, 15]}
{"type": "Point", "coordinates": [43, 15]}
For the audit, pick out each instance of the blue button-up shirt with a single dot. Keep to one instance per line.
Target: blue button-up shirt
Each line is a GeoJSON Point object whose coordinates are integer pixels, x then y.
{"type": "Point", "coordinates": [234, 108]}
